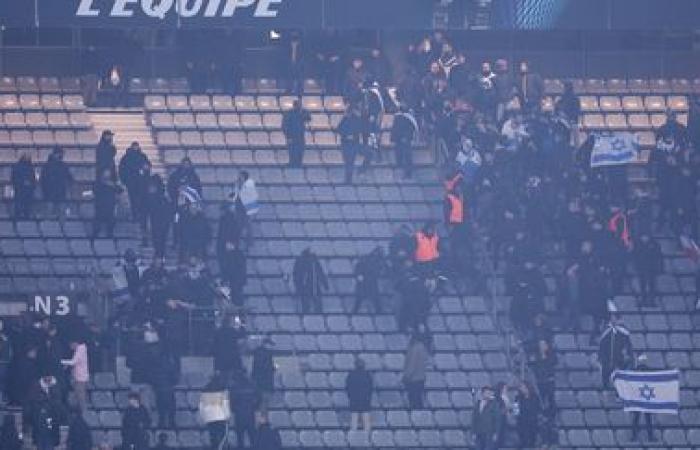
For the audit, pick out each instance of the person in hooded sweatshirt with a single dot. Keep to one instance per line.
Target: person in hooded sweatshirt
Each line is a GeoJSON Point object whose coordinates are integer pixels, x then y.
{"type": "Point", "coordinates": [135, 424]}
{"type": "Point", "coordinates": [23, 178]}
{"type": "Point", "coordinates": [55, 180]}
{"type": "Point", "coordinates": [309, 280]}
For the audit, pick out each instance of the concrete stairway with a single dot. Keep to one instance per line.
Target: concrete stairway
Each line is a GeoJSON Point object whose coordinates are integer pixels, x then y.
{"type": "Point", "coordinates": [128, 125]}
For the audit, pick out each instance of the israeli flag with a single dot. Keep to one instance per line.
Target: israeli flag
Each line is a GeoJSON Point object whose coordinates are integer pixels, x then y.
{"type": "Point", "coordinates": [648, 392]}
{"type": "Point", "coordinates": [613, 149]}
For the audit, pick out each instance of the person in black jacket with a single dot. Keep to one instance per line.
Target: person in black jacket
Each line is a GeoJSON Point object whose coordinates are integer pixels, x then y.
{"type": "Point", "coordinates": [263, 372]}
{"type": "Point", "coordinates": [351, 129]}
{"type": "Point", "coordinates": [55, 180]}
{"type": "Point", "coordinates": [195, 233]}
{"type": "Point", "coordinates": [23, 184]}
{"type": "Point", "coordinates": [266, 437]}
{"type": "Point", "coordinates": [135, 424]}
{"type": "Point", "coordinates": [528, 289]}
{"type": "Point", "coordinates": [134, 174]}
{"type": "Point", "coordinates": [309, 280]}
{"type": "Point", "coordinates": [163, 378]}
{"type": "Point", "coordinates": [402, 134]}
{"type": "Point", "coordinates": [8, 434]}
{"type": "Point", "coordinates": [105, 193]}
{"type": "Point", "coordinates": [359, 388]}
{"type": "Point", "coordinates": [234, 271]}
{"type": "Point", "coordinates": [529, 413]}
{"type": "Point", "coordinates": [105, 154]}
{"type": "Point", "coordinates": [161, 212]}
{"type": "Point", "coordinates": [614, 350]}
{"type": "Point", "coordinates": [183, 175]}
{"type": "Point", "coordinates": [244, 404]}
{"type": "Point", "coordinates": [367, 272]}
{"type": "Point", "coordinates": [227, 355]}
{"type": "Point", "coordinates": [45, 412]}
{"type": "Point", "coordinates": [649, 262]}
{"type": "Point", "coordinates": [544, 366]}
{"type": "Point", "coordinates": [79, 436]}
{"type": "Point", "coordinates": [294, 127]}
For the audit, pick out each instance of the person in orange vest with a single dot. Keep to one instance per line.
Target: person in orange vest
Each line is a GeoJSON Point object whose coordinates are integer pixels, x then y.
{"type": "Point", "coordinates": [427, 241]}
{"type": "Point", "coordinates": [455, 214]}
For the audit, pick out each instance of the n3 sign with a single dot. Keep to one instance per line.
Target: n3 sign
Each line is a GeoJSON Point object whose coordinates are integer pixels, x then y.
{"type": "Point", "coordinates": [58, 305]}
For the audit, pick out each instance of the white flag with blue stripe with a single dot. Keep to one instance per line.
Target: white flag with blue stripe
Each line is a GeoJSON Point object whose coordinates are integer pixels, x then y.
{"type": "Point", "coordinates": [648, 392]}
{"type": "Point", "coordinates": [614, 148]}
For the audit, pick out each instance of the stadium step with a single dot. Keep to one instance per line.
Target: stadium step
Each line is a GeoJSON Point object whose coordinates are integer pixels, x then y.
{"type": "Point", "coordinates": [128, 125]}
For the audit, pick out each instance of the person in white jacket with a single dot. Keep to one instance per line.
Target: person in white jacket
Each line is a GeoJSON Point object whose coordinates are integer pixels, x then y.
{"type": "Point", "coordinates": [80, 371]}
{"type": "Point", "coordinates": [245, 195]}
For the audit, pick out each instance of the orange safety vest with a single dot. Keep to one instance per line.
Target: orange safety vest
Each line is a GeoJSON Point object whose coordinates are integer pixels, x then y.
{"type": "Point", "coordinates": [456, 210]}
{"type": "Point", "coordinates": [426, 247]}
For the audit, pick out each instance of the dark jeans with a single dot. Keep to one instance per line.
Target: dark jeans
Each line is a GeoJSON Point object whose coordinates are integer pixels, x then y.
{"type": "Point", "coordinates": [217, 435]}
{"type": "Point", "coordinates": [415, 391]}
{"type": "Point", "coordinates": [486, 443]}
{"type": "Point", "coordinates": [312, 301]}
{"type": "Point", "coordinates": [242, 429]}
{"type": "Point", "coordinates": [367, 292]}
{"type": "Point", "coordinates": [103, 222]}
{"type": "Point", "coordinates": [24, 200]}
{"type": "Point", "coordinates": [404, 157]}
{"type": "Point", "coordinates": [635, 425]}
{"type": "Point", "coordinates": [647, 286]}
{"type": "Point", "coordinates": [296, 153]}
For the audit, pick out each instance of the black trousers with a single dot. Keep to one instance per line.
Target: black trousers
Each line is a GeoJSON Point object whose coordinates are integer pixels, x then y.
{"type": "Point", "coordinates": [415, 391]}
{"type": "Point", "coordinates": [296, 153]}
{"type": "Point", "coordinates": [635, 425]}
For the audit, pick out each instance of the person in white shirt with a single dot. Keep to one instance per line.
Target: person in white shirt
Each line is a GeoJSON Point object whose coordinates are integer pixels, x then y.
{"type": "Point", "coordinates": [80, 372]}
{"type": "Point", "coordinates": [246, 195]}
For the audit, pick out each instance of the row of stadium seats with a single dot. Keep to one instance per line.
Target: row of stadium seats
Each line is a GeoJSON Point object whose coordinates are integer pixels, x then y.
{"type": "Point", "coordinates": [47, 138]}
{"type": "Point", "coordinates": [241, 103]}
{"type": "Point", "coordinates": [30, 84]}
{"type": "Point", "coordinates": [636, 103]}
{"type": "Point", "coordinates": [234, 121]}
{"type": "Point", "coordinates": [20, 120]}
{"type": "Point", "coordinates": [623, 86]}
{"type": "Point", "coordinates": [38, 102]}
{"type": "Point", "coordinates": [621, 121]}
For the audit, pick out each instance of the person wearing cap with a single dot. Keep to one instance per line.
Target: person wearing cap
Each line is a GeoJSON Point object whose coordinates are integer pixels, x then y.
{"type": "Point", "coordinates": [135, 175]}
{"type": "Point", "coordinates": [45, 412]}
{"type": "Point", "coordinates": [487, 420]}
{"type": "Point", "coordinates": [359, 387]}
{"type": "Point", "coordinates": [105, 154]}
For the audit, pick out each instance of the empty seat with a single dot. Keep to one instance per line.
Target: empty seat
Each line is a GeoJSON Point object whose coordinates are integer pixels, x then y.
{"type": "Point", "coordinates": [206, 121]}
{"type": "Point", "coordinates": [177, 103]}
{"type": "Point", "coordinates": [610, 103]}
{"type": "Point", "coordinates": [59, 120]}
{"type": "Point", "coordinates": [168, 138]}
{"type": "Point", "coordinates": [138, 85]}
{"type": "Point", "coordinates": [678, 103]}
{"type": "Point", "coordinates": [155, 103]}
{"type": "Point", "coordinates": [312, 103]}
{"type": "Point", "coordinates": [236, 139]}
{"type": "Point", "coordinates": [51, 102]}
{"type": "Point", "coordinates": [191, 139]}
{"type": "Point", "coordinates": [229, 121]}
{"type": "Point", "coordinates": [616, 86]}
{"type": "Point", "coordinates": [660, 85]}
{"type": "Point", "coordinates": [245, 103]}
{"type": "Point", "coordinates": [43, 138]}
{"type": "Point", "coordinates": [258, 139]}
{"type": "Point", "coordinates": [161, 120]}
{"type": "Point", "coordinates": [9, 102]}
{"type": "Point", "coordinates": [184, 120]}
{"type": "Point", "coordinates": [213, 139]}
{"type": "Point", "coordinates": [553, 86]}
{"type": "Point", "coordinates": [267, 103]}
{"type": "Point", "coordinates": [158, 86]}
{"type": "Point", "coordinates": [638, 86]}
{"type": "Point", "coordinates": [73, 102]}
{"type": "Point", "coordinates": [38, 120]}
{"type": "Point", "coordinates": [654, 103]}
{"type": "Point", "coordinates": [632, 103]}
{"type": "Point", "coordinates": [30, 101]}
{"type": "Point", "coordinates": [681, 86]}
{"type": "Point", "coordinates": [639, 121]}
{"type": "Point", "coordinates": [27, 84]}
{"type": "Point", "coordinates": [593, 121]}
{"type": "Point", "coordinates": [21, 138]}
{"type": "Point", "coordinates": [595, 86]}
{"type": "Point", "coordinates": [14, 120]}
{"type": "Point", "coordinates": [272, 121]}
{"type": "Point", "coordinates": [200, 103]}
{"type": "Point", "coordinates": [589, 103]}
{"type": "Point", "coordinates": [251, 121]}
{"type": "Point", "coordinates": [65, 138]}
{"type": "Point", "coordinates": [266, 85]}
{"type": "Point", "coordinates": [7, 85]}
{"type": "Point", "coordinates": [222, 103]}
{"type": "Point", "coordinates": [287, 102]}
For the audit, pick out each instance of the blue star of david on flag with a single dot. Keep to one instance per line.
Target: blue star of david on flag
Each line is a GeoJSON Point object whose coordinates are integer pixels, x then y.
{"type": "Point", "coordinates": [647, 392]}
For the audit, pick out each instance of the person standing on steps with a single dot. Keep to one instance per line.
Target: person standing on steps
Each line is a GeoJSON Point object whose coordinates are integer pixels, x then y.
{"type": "Point", "coordinates": [309, 280]}
{"type": "Point", "coordinates": [105, 193]}
{"type": "Point", "coordinates": [403, 133]}
{"type": "Point", "coordinates": [105, 154]}
{"type": "Point", "coordinates": [55, 180]}
{"type": "Point", "coordinates": [414, 372]}
{"type": "Point", "coordinates": [23, 183]}
{"type": "Point", "coordinates": [350, 129]}
{"type": "Point", "coordinates": [359, 388]}
{"type": "Point", "coordinates": [135, 175]}
{"type": "Point", "coordinates": [160, 214]}
{"type": "Point", "coordinates": [294, 128]}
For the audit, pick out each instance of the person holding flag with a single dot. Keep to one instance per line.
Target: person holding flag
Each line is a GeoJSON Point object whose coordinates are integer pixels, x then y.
{"type": "Point", "coordinates": [614, 349]}
{"type": "Point", "coordinates": [647, 392]}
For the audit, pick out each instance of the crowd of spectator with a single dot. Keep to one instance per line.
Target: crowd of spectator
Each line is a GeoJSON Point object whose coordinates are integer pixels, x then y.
{"type": "Point", "coordinates": [518, 189]}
